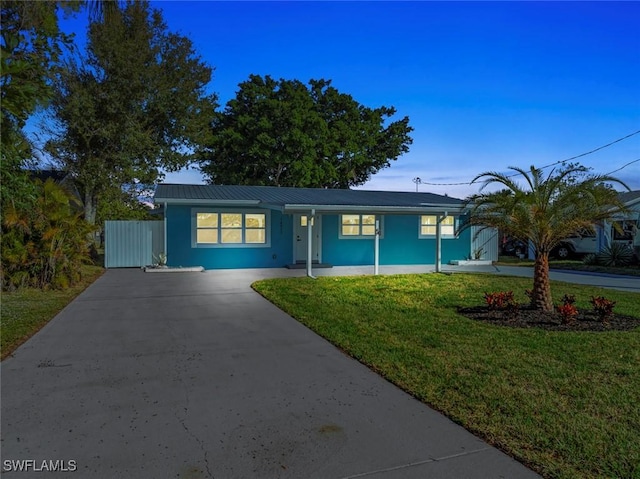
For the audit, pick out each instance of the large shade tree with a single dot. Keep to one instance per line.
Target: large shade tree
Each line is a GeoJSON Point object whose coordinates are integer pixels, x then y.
{"type": "Point", "coordinates": [286, 133]}
{"type": "Point", "coordinates": [134, 105]}
{"type": "Point", "coordinates": [31, 44]}
{"type": "Point", "coordinates": [543, 210]}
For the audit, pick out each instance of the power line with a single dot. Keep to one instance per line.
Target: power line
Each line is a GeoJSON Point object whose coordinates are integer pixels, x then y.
{"type": "Point", "coordinates": [623, 166]}
{"type": "Point", "coordinates": [557, 162]}
{"type": "Point", "coordinates": [593, 151]}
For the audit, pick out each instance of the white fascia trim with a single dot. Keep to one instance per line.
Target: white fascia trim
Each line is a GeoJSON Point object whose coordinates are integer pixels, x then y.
{"type": "Point", "coordinates": [632, 202]}
{"type": "Point", "coordinates": [440, 209]}
{"type": "Point", "coordinates": [184, 201]}
{"type": "Point", "coordinates": [271, 206]}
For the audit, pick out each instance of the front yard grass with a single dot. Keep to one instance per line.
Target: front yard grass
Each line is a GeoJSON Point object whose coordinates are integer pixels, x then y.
{"type": "Point", "coordinates": [564, 403]}
{"type": "Point", "coordinates": [26, 311]}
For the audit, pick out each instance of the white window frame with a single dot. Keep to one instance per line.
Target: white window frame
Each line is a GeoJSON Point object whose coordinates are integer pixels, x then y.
{"type": "Point", "coordinates": [360, 236]}
{"type": "Point", "coordinates": [443, 235]}
{"type": "Point", "coordinates": [243, 228]}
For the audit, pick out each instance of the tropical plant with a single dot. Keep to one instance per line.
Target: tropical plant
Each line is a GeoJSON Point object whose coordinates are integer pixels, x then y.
{"type": "Point", "coordinates": [591, 259]}
{"type": "Point", "coordinates": [603, 307]}
{"type": "Point", "coordinates": [45, 246]}
{"type": "Point", "coordinates": [499, 300]}
{"type": "Point", "coordinates": [615, 254]}
{"type": "Point", "coordinates": [544, 211]}
{"type": "Point", "coordinates": [567, 309]}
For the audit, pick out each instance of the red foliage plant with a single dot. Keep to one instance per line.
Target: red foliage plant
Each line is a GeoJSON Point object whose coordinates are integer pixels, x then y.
{"type": "Point", "coordinates": [500, 300]}
{"type": "Point", "coordinates": [603, 307]}
{"type": "Point", "coordinates": [568, 312]}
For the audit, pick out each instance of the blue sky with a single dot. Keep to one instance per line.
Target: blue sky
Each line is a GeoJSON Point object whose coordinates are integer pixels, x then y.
{"type": "Point", "coordinates": [485, 85]}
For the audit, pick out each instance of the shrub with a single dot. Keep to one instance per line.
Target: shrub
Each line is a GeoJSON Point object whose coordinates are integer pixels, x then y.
{"type": "Point", "coordinates": [603, 307]}
{"type": "Point", "coordinates": [567, 311]}
{"type": "Point", "coordinates": [590, 260]}
{"type": "Point", "coordinates": [500, 300]}
{"type": "Point", "coordinates": [616, 254]}
{"type": "Point", "coordinates": [44, 246]}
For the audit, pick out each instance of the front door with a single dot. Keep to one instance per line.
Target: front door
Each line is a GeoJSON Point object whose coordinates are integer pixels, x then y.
{"type": "Point", "coordinates": [300, 239]}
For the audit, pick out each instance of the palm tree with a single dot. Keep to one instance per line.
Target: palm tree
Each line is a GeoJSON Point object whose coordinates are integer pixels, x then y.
{"type": "Point", "coordinates": [544, 211]}
{"type": "Point", "coordinates": [103, 10]}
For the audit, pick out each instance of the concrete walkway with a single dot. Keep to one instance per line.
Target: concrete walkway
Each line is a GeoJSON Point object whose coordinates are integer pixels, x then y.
{"type": "Point", "coordinates": [194, 375]}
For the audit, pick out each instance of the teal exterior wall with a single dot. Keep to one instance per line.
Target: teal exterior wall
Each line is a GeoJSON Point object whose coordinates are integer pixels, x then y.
{"type": "Point", "coordinates": [182, 253]}
{"type": "Point", "coordinates": [400, 244]}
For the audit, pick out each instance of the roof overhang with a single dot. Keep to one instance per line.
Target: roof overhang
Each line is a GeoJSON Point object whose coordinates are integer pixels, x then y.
{"type": "Point", "coordinates": [423, 208]}
{"type": "Point", "coordinates": [408, 210]}
{"type": "Point", "coordinates": [185, 201]}
{"type": "Point", "coordinates": [633, 202]}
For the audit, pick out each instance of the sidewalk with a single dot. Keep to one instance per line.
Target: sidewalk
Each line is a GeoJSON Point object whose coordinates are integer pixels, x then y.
{"type": "Point", "coordinates": [609, 281]}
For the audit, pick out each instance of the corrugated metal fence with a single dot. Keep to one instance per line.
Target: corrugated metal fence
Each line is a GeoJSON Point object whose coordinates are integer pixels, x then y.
{"type": "Point", "coordinates": [485, 240]}
{"type": "Point", "coordinates": [132, 243]}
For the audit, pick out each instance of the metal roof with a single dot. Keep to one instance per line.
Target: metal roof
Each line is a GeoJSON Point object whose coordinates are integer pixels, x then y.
{"type": "Point", "coordinates": [628, 197]}
{"type": "Point", "coordinates": [299, 198]}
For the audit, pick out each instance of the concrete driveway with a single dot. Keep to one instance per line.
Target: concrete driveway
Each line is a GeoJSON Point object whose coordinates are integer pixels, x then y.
{"type": "Point", "coordinates": [194, 375]}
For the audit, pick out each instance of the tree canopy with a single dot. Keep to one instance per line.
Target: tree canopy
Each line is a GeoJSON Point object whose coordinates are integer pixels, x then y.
{"type": "Point", "coordinates": [133, 104]}
{"type": "Point", "coordinates": [31, 44]}
{"type": "Point", "coordinates": [285, 133]}
{"type": "Point", "coordinates": [544, 211]}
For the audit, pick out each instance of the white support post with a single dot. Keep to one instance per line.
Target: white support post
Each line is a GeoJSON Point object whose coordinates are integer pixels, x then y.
{"type": "Point", "coordinates": [439, 221]}
{"type": "Point", "coordinates": [376, 249]}
{"type": "Point", "coordinates": [310, 244]}
{"type": "Point", "coordinates": [165, 230]}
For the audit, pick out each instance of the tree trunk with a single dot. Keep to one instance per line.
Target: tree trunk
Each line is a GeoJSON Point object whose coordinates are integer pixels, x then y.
{"type": "Point", "coordinates": [541, 298]}
{"type": "Point", "coordinates": [90, 208]}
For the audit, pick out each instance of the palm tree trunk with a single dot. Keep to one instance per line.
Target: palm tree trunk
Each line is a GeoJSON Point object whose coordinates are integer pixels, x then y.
{"type": "Point", "coordinates": [541, 298]}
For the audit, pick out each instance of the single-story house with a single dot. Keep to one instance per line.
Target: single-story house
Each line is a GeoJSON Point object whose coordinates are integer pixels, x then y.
{"type": "Point", "coordinates": [218, 226]}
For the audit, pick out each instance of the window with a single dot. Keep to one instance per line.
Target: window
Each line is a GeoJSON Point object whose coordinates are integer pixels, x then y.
{"type": "Point", "coordinates": [218, 229]}
{"type": "Point", "coordinates": [231, 227]}
{"type": "Point", "coordinates": [428, 225]}
{"type": "Point", "coordinates": [304, 221]}
{"type": "Point", "coordinates": [625, 231]}
{"type": "Point", "coordinates": [358, 226]}
{"type": "Point", "coordinates": [207, 228]}
{"type": "Point", "coordinates": [255, 226]}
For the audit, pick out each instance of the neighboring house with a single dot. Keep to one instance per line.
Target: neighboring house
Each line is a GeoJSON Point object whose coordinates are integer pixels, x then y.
{"type": "Point", "coordinates": [63, 178]}
{"type": "Point", "coordinates": [221, 227]}
{"type": "Point", "coordinates": [627, 223]}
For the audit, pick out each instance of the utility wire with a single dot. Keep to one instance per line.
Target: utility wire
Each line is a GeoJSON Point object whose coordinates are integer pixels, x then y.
{"type": "Point", "coordinates": [557, 162]}
{"type": "Point", "coordinates": [623, 166]}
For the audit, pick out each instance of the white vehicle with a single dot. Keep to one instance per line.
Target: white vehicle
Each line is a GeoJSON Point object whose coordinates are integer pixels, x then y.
{"type": "Point", "coordinates": [579, 244]}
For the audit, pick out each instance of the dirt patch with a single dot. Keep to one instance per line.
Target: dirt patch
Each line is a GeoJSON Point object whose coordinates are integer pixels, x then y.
{"type": "Point", "coordinates": [526, 317]}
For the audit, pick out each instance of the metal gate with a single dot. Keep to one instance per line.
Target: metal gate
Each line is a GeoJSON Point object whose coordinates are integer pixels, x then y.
{"type": "Point", "coordinates": [132, 243]}
{"type": "Point", "coordinates": [485, 243]}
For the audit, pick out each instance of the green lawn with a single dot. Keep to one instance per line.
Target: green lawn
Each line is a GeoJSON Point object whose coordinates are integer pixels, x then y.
{"type": "Point", "coordinates": [25, 311]}
{"type": "Point", "coordinates": [565, 403]}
